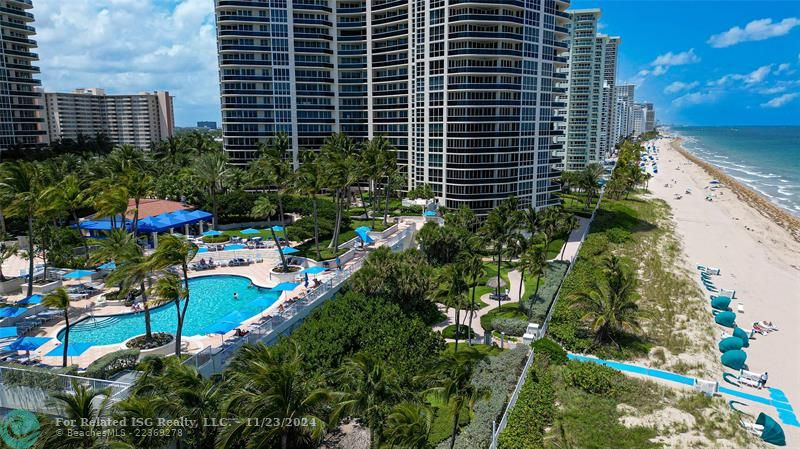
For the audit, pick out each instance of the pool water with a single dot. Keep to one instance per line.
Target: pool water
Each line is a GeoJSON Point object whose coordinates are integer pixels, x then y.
{"type": "Point", "coordinates": [210, 299]}
{"type": "Point", "coordinates": [231, 247]}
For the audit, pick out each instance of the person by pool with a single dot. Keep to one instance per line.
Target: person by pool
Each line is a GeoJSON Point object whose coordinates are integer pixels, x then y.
{"type": "Point", "coordinates": [235, 295]}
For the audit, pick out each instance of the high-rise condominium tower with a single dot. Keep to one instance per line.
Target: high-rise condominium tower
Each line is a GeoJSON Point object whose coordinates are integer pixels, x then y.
{"type": "Point", "coordinates": [649, 117]}
{"type": "Point", "coordinates": [21, 108]}
{"type": "Point", "coordinates": [623, 119]}
{"type": "Point", "coordinates": [463, 90]}
{"type": "Point", "coordinates": [139, 119]}
{"type": "Point", "coordinates": [590, 84]}
{"type": "Point", "coordinates": [607, 137]}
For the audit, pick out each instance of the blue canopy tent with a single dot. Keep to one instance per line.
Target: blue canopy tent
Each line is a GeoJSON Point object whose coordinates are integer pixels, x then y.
{"type": "Point", "coordinates": [249, 231]}
{"type": "Point", "coordinates": [30, 300]}
{"type": "Point", "coordinates": [363, 233]}
{"type": "Point", "coordinates": [11, 312]}
{"type": "Point", "coordinates": [314, 270]}
{"type": "Point", "coordinates": [27, 343]}
{"type": "Point", "coordinates": [730, 344]}
{"type": "Point", "coordinates": [8, 331]}
{"type": "Point", "coordinates": [156, 223]}
{"type": "Point", "coordinates": [73, 350]}
{"type": "Point", "coordinates": [284, 287]}
{"type": "Point", "coordinates": [77, 274]}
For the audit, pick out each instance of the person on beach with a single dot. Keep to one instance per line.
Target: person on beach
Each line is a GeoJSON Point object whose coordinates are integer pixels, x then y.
{"type": "Point", "coordinates": [762, 381]}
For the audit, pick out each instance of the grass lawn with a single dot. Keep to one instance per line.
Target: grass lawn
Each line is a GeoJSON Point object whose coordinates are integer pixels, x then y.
{"type": "Point", "coordinates": [575, 203]}
{"type": "Point", "coordinates": [442, 425]}
{"type": "Point", "coordinates": [484, 350]}
{"type": "Point", "coordinates": [450, 331]}
{"type": "Point", "coordinates": [510, 310]}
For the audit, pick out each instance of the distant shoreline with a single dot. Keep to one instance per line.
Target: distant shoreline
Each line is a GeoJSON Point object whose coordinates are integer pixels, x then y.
{"type": "Point", "coordinates": [757, 201]}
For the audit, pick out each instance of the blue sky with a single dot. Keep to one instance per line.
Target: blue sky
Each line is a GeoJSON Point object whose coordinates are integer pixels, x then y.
{"type": "Point", "coordinates": [700, 62]}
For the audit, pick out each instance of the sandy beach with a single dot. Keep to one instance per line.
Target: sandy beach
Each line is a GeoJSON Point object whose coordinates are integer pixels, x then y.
{"type": "Point", "coordinates": [759, 259]}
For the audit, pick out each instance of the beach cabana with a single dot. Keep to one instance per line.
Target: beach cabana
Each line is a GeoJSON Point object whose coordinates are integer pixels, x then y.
{"type": "Point", "coordinates": [734, 359]}
{"type": "Point", "coordinates": [771, 431]}
{"type": "Point", "coordinates": [727, 319]}
{"type": "Point", "coordinates": [78, 274]}
{"type": "Point", "coordinates": [720, 302]}
{"type": "Point", "coordinates": [730, 344]}
{"type": "Point", "coordinates": [742, 335]}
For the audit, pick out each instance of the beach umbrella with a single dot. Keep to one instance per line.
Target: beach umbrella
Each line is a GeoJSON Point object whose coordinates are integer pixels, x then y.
{"type": "Point", "coordinates": [27, 343]}
{"type": "Point", "coordinates": [30, 300]}
{"type": "Point", "coordinates": [260, 303]}
{"type": "Point", "coordinates": [730, 344]}
{"type": "Point", "coordinates": [276, 228]}
{"type": "Point", "coordinates": [284, 287]}
{"type": "Point", "coordinates": [221, 328]}
{"type": "Point", "coordinates": [73, 350]}
{"type": "Point", "coordinates": [236, 317]}
{"type": "Point", "coordinates": [289, 250]}
{"type": "Point", "coordinates": [742, 335]}
{"type": "Point", "coordinates": [11, 312]}
{"type": "Point", "coordinates": [8, 331]}
{"type": "Point", "coordinates": [720, 302]}
{"type": "Point", "coordinates": [249, 231]}
{"type": "Point", "coordinates": [734, 359]}
{"type": "Point", "coordinates": [314, 270]}
{"type": "Point", "coordinates": [77, 274]}
{"type": "Point", "coordinates": [772, 433]}
{"type": "Point", "coordinates": [212, 233]}
{"type": "Point", "coordinates": [108, 266]}
{"type": "Point", "coordinates": [727, 319]}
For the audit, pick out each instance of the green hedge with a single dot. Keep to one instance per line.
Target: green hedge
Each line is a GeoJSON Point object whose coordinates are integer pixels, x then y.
{"type": "Point", "coordinates": [533, 411]}
{"type": "Point", "coordinates": [538, 306]}
{"type": "Point", "coordinates": [553, 350]}
{"type": "Point", "coordinates": [510, 326]}
{"type": "Point", "coordinates": [593, 378]}
{"type": "Point", "coordinates": [216, 238]}
{"type": "Point", "coordinates": [110, 364]}
{"type": "Point", "coordinates": [33, 377]}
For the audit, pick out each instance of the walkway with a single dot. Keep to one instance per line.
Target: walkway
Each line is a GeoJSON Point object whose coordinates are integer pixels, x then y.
{"type": "Point", "coordinates": [776, 399]}
{"type": "Point", "coordinates": [573, 243]}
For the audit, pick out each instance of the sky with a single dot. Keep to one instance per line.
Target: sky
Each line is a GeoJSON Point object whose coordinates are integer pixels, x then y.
{"type": "Point", "coordinates": [700, 62]}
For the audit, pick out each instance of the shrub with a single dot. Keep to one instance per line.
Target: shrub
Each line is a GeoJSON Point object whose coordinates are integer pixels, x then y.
{"type": "Point", "coordinates": [411, 210]}
{"type": "Point", "coordinates": [303, 229]}
{"type": "Point", "coordinates": [618, 235]}
{"type": "Point", "coordinates": [159, 339]}
{"type": "Point", "coordinates": [33, 377]}
{"type": "Point", "coordinates": [537, 307]}
{"type": "Point", "coordinates": [553, 350]}
{"type": "Point", "coordinates": [510, 326]}
{"type": "Point", "coordinates": [592, 378]}
{"type": "Point", "coordinates": [532, 413]}
{"type": "Point", "coordinates": [110, 364]}
{"type": "Point", "coordinates": [216, 238]}
{"type": "Point", "coordinates": [450, 331]}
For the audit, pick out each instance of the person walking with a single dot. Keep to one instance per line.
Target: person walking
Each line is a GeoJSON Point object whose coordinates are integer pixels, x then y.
{"type": "Point", "coordinates": [762, 381]}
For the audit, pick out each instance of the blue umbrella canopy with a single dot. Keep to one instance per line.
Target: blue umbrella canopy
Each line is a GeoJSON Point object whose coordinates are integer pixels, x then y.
{"type": "Point", "coordinates": [30, 300]}
{"type": "Point", "coordinates": [284, 287]}
{"type": "Point", "coordinates": [221, 327]}
{"type": "Point", "coordinates": [211, 233]}
{"type": "Point", "coordinates": [277, 228]}
{"type": "Point", "coordinates": [27, 343]}
{"type": "Point", "coordinates": [249, 231]}
{"type": "Point", "coordinates": [108, 266]}
{"type": "Point", "coordinates": [10, 312]}
{"type": "Point", "coordinates": [730, 344]}
{"type": "Point", "coordinates": [8, 331]}
{"type": "Point", "coordinates": [236, 317]}
{"type": "Point", "coordinates": [77, 274]}
{"type": "Point", "coordinates": [289, 250]}
{"type": "Point", "coordinates": [73, 350]}
{"type": "Point", "coordinates": [742, 335]}
{"type": "Point", "coordinates": [734, 359]}
{"type": "Point", "coordinates": [261, 303]}
{"type": "Point", "coordinates": [727, 319]}
{"type": "Point", "coordinates": [314, 270]}
{"type": "Point", "coordinates": [720, 302]}
{"type": "Point", "coordinates": [772, 433]}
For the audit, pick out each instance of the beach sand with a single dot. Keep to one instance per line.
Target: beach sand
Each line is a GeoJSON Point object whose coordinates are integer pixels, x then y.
{"type": "Point", "coordinates": [759, 259]}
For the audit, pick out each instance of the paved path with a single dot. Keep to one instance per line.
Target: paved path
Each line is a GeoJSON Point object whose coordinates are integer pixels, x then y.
{"type": "Point", "coordinates": [573, 243]}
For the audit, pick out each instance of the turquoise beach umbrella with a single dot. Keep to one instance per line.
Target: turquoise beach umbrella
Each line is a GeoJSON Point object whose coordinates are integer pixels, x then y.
{"type": "Point", "coordinates": [720, 302]}
{"type": "Point", "coordinates": [730, 344]}
{"type": "Point", "coordinates": [742, 335]}
{"type": "Point", "coordinates": [727, 319]}
{"type": "Point", "coordinates": [772, 433]}
{"type": "Point", "coordinates": [734, 359]}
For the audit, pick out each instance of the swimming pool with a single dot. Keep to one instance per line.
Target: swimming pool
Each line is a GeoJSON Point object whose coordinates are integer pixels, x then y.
{"type": "Point", "coordinates": [228, 247]}
{"type": "Point", "coordinates": [210, 299]}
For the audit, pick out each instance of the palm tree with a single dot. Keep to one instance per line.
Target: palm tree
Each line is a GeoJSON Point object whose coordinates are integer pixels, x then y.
{"type": "Point", "coordinates": [499, 230]}
{"type": "Point", "coordinates": [472, 264]}
{"type": "Point", "coordinates": [82, 427]}
{"type": "Point", "coordinates": [168, 289]}
{"type": "Point", "coordinates": [309, 181]}
{"type": "Point", "coordinates": [134, 269]}
{"type": "Point", "coordinates": [393, 179]}
{"type": "Point", "coordinates": [171, 251]}
{"type": "Point", "coordinates": [211, 171]}
{"type": "Point", "coordinates": [264, 208]}
{"type": "Point", "coordinates": [455, 388]}
{"type": "Point", "coordinates": [610, 307]}
{"type": "Point", "coordinates": [270, 382]}
{"type": "Point", "coordinates": [59, 299]}
{"type": "Point", "coordinates": [369, 388]}
{"type": "Point", "coordinates": [409, 426]}
{"type": "Point", "coordinates": [272, 167]}
{"type": "Point", "coordinates": [139, 185]}
{"type": "Point", "coordinates": [70, 195]}
{"type": "Point", "coordinates": [590, 180]}
{"type": "Point", "coordinates": [339, 159]}
{"type": "Point", "coordinates": [110, 200]}
{"type": "Point", "coordinates": [21, 192]}
{"type": "Point", "coordinates": [452, 287]}
{"type": "Point", "coordinates": [532, 262]}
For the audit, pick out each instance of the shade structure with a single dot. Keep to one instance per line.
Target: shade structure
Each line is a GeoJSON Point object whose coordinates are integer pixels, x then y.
{"type": "Point", "coordinates": [108, 266]}
{"type": "Point", "coordinates": [172, 220]}
{"type": "Point", "coordinates": [284, 287]}
{"type": "Point", "coordinates": [249, 231]}
{"type": "Point", "coordinates": [742, 335]}
{"type": "Point", "coordinates": [772, 433]}
{"type": "Point", "coordinates": [211, 233]}
{"type": "Point", "coordinates": [730, 344]}
{"type": "Point", "coordinates": [220, 327]}
{"type": "Point", "coordinates": [27, 343]}
{"type": "Point", "coordinates": [73, 350]}
{"type": "Point", "coordinates": [8, 331]}
{"type": "Point", "coordinates": [720, 302]}
{"type": "Point", "coordinates": [30, 300]}
{"type": "Point", "coordinates": [77, 274]}
{"type": "Point", "coordinates": [363, 233]}
{"type": "Point", "coordinates": [314, 270]}
{"type": "Point", "coordinates": [289, 250]}
{"type": "Point", "coordinates": [11, 312]}
{"type": "Point", "coordinates": [734, 359]}
{"type": "Point", "coordinates": [727, 319]}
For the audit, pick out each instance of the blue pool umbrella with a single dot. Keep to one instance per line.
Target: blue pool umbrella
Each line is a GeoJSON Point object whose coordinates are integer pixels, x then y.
{"type": "Point", "coordinates": [289, 250]}
{"type": "Point", "coordinates": [77, 274]}
{"type": "Point", "coordinates": [73, 350]}
{"type": "Point", "coordinates": [108, 266]}
{"type": "Point", "coordinates": [284, 287]}
{"type": "Point", "coordinates": [8, 331]}
{"type": "Point", "coordinates": [221, 327]}
{"type": "Point", "coordinates": [211, 233]}
{"type": "Point", "coordinates": [314, 270]}
{"type": "Point", "coordinates": [261, 303]}
{"type": "Point", "coordinates": [27, 343]}
{"type": "Point", "coordinates": [10, 312]}
{"type": "Point", "coordinates": [236, 316]}
{"type": "Point", "coordinates": [276, 228]}
{"type": "Point", "coordinates": [249, 231]}
{"type": "Point", "coordinates": [30, 300]}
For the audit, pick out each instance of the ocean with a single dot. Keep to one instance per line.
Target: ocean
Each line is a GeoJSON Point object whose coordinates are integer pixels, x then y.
{"type": "Point", "coordinates": [765, 158]}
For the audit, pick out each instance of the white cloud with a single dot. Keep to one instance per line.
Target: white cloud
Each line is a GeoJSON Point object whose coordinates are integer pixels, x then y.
{"type": "Point", "coordinates": [659, 70]}
{"type": "Point", "coordinates": [682, 58]}
{"type": "Point", "coordinates": [129, 46]}
{"type": "Point", "coordinates": [750, 79]}
{"type": "Point", "coordinates": [784, 68]}
{"type": "Point", "coordinates": [772, 90]}
{"type": "Point", "coordinates": [678, 86]}
{"type": "Point", "coordinates": [643, 72]}
{"type": "Point", "coordinates": [601, 26]}
{"type": "Point", "coordinates": [695, 98]}
{"type": "Point", "coordinates": [779, 101]}
{"type": "Point", "coordinates": [757, 30]}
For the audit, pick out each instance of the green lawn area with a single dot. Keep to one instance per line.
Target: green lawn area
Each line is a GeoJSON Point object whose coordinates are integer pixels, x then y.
{"type": "Point", "coordinates": [484, 350]}
{"type": "Point", "coordinates": [510, 310]}
{"type": "Point", "coordinates": [575, 203]}
{"type": "Point", "coordinates": [450, 331]}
